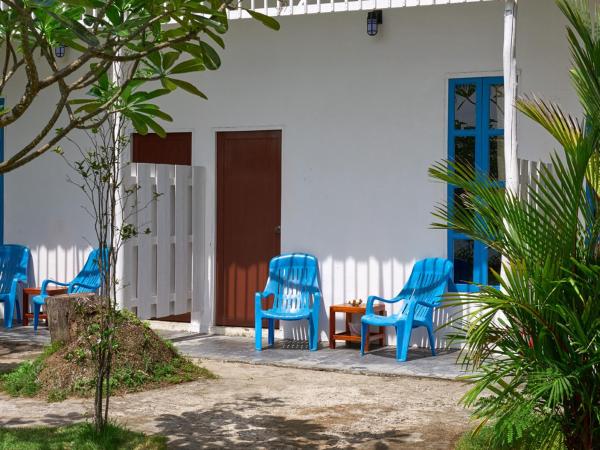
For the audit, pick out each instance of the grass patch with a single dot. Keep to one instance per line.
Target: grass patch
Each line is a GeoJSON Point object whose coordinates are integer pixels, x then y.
{"type": "Point", "coordinates": [23, 381]}
{"type": "Point", "coordinates": [81, 436]}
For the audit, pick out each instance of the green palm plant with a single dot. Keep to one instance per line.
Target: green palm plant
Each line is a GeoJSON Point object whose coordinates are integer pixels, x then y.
{"type": "Point", "coordinates": [534, 344]}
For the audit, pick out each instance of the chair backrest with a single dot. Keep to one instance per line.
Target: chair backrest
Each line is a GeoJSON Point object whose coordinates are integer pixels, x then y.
{"type": "Point", "coordinates": [90, 274]}
{"type": "Point", "coordinates": [293, 278]}
{"type": "Point", "coordinates": [14, 262]}
{"type": "Point", "coordinates": [427, 282]}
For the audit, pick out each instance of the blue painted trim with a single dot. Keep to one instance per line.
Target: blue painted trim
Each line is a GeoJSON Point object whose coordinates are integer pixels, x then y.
{"type": "Point", "coordinates": [482, 134]}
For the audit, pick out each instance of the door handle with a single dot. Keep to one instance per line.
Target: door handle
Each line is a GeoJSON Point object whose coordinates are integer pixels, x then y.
{"type": "Point", "coordinates": [278, 229]}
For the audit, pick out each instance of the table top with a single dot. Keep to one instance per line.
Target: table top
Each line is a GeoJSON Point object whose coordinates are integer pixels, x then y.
{"type": "Point", "coordinates": [347, 307]}
{"type": "Point", "coordinates": [51, 290]}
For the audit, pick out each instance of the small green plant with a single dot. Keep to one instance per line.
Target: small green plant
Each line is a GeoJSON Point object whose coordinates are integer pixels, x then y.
{"type": "Point", "coordinates": [484, 439]}
{"type": "Point", "coordinates": [57, 395]}
{"type": "Point", "coordinates": [23, 381]}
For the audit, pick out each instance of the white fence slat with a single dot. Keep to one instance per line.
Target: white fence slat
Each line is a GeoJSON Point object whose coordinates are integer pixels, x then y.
{"type": "Point", "coordinates": [182, 175]}
{"type": "Point", "coordinates": [163, 240]}
{"type": "Point", "coordinates": [198, 268]}
{"type": "Point", "coordinates": [145, 281]}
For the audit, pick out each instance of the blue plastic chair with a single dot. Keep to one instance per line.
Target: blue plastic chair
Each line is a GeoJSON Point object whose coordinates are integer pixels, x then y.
{"type": "Point", "coordinates": [293, 282]}
{"type": "Point", "coordinates": [422, 293]}
{"type": "Point", "coordinates": [14, 262]}
{"type": "Point", "coordinates": [88, 279]}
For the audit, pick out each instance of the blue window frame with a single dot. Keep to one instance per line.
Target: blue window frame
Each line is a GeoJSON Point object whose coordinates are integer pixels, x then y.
{"type": "Point", "coordinates": [476, 137]}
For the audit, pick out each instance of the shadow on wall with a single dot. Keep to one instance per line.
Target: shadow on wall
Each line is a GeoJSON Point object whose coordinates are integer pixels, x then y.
{"type": "Point", "coordinates": [347, 279]}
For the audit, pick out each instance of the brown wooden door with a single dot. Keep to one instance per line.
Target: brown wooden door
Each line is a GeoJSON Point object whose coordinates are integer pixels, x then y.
{"type": "Point", "coordinates": [248, 219]}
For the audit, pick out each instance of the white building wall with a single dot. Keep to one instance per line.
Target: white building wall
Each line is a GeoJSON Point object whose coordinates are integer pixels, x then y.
{"type": "Point", "coordinates": [363, 118]}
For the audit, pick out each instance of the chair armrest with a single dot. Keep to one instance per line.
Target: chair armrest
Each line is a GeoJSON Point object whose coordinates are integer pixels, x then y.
{"type": "Point", "coordinates": [258, 297]}
{"type": "Point", "coordinates": [15, 283]}
{"type": "Point", "coordinates": [427, 304]}
{"type": "Point", "coordinates": [86, 286]}
{"type": "Point", "coordinates": [373, 298]}
{"type": "Point", "coordinates": [45, 284]}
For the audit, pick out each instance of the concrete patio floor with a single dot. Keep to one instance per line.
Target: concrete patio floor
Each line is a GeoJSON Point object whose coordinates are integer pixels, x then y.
{"type": "Point", "coordinates": [295, 354]}
{"type": "Point", "coordinates": [292, 354]}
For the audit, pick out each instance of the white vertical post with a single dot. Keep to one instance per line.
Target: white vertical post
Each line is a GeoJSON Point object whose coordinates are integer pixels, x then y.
{"type": "Point", "coordinates": [163, 241]}
{"type": "Point", "coordinates": [511, 158]}
{"type": "Point", "coordinates": [182, 176]}
{"type": "Point", "coordinates": [510, 97]}
{"type": "Point", "coordinates": [144, 242]}
{"type": "Point", "coordinates": [119, 270]}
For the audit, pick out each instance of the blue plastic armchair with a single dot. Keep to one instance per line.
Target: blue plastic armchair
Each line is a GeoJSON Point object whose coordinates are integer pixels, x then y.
{"type": "Point", "coordinates": [88, 280]}
{"type": "Point", "coordinates": [14, 262]}
{"type": "Point", "coordinates": [422, 293]}
{"type": "Point", "coordinates": [293, 282]}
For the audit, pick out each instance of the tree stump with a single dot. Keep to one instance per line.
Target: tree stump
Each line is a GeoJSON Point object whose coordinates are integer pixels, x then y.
{"type": "Point", "coordinates": [64, 314]}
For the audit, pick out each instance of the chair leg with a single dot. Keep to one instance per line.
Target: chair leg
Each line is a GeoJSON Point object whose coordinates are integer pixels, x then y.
{"type": "Point", "coordinates": [9, 308]}
{"type": "Point", "coordinates": [18, 312]}
{"type": "Point", "coordinates": [271, 339]}
{"type": "Point", "coordinates": [313, 333]}
{"type": "Point", "coordinates": [402, 341]}
{"type": "Point", "coordinates": [36, 315]}
{"type": "Point", "coordinates": [431, 339]}
{"type": "Point", "coordinates": [364, 330]}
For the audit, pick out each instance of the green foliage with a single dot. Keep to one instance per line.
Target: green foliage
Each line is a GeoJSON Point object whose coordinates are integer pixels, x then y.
{"type": "Point", "coordinates": [23, 381]}
{"type": "Point", "coordinates": [485, 439]}
{"type": "Point", "coordinates": [534, 345]}
{"type": "Point", "coordinates": [122, 49]}
{"type": "Point", "coordinates": [81, 436]}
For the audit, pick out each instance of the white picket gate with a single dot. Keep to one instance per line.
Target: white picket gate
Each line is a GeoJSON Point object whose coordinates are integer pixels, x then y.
{"type": "Point", "coordinates": [529, 175]}
{"type": "Point", "coordinates": [163, 265]}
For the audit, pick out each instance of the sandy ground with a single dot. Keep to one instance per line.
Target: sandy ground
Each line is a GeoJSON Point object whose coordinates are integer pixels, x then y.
{"type": "Point", "coordinates": [269, 407]}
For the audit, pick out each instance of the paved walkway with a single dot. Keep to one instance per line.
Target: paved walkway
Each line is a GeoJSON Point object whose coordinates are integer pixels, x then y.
{"type": "Point", "coordinates": [380, 361]}
{"type": "Point", "coordinates": [291, 354]}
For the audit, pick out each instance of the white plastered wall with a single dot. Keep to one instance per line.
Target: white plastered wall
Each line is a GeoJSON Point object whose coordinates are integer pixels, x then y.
{"type": "Point", "coordinates": [363, 118]}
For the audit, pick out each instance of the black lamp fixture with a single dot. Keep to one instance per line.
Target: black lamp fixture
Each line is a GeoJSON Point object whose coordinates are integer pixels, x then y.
{"type": "Point", "coordinates": [60, 51]}
{"type": "Point", "coordinates": [374, 19]}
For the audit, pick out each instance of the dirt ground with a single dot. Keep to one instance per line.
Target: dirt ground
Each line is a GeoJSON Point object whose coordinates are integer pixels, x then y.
{"type": "Point", "coordinates": [269, 407]}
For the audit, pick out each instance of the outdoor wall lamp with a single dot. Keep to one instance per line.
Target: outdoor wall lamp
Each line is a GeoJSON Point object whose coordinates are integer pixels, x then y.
{"type": "Point", "coordinates": [374, 19]}
{"type": "Point", "coordinates": [60, 51]}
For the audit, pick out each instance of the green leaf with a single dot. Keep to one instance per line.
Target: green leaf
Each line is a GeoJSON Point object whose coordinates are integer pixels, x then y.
{"type": "Point", "coordinates": [77, 28]}
{"type": "Point", "coordinates": [265, 20]}
{"type": "Point", "coordinates": [190, 65]}
{"type": "Point", "coordinates": [168, 84]}
{"type": "Point", "coordinates": [169, 58]}
{"type": "Point", "coordinates": [189, 87]}
{"type": "Point", "coordinates": [138, 123]}
{"type": "Point", "coordinates": [211, 57]}
{"type": "Point", "coordinates": [114, 15]}
{"type": "Point", "coordinates": [154, 126]}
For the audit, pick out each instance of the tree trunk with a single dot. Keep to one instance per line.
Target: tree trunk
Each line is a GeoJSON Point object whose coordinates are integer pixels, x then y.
{"type": "Point", "coordinates": [62, 315]}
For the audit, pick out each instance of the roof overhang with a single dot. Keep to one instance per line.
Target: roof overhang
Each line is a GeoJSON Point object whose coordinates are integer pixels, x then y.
{"type": "Point", "coordinates": [276, 8]}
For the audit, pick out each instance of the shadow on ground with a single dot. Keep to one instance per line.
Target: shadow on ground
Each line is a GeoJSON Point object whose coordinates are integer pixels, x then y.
{"type": "Point", "coordinates": [230, 425]}
{"type": "Point", "coordinates": [50, 420]}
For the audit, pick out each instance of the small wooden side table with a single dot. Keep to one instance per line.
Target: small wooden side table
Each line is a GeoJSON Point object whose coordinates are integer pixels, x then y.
{"type": "Point", "coordinates": [33, 291]}
{"type": "Point", "coordinates": [347, 335]}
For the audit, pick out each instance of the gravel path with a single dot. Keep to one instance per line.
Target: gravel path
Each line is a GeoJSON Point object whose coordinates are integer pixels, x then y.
{"type": "Point", "coordinates": [269, 407]}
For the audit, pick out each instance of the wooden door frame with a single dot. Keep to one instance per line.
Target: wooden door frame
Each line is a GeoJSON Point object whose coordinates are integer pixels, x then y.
{"type": "Point", "coordinates": [212, 291]}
